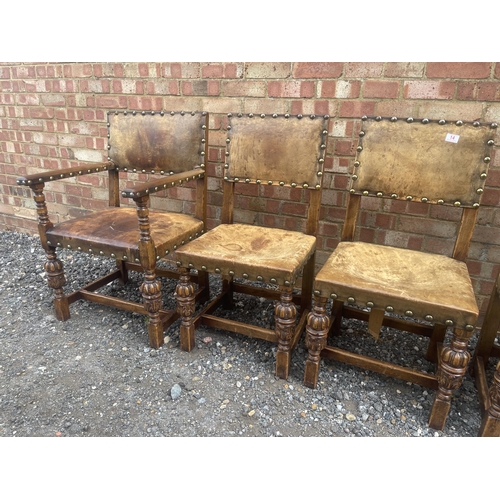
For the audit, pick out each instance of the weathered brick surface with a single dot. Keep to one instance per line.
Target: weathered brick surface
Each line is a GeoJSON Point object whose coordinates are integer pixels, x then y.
{"type": "Point", "coordinates": [53, 115]}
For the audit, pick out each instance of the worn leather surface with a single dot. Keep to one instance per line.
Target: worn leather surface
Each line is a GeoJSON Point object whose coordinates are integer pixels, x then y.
{"type": "Point", "coordinates": [116, 230]}
{"type": "Point", "coordinates": [170, 143]}
{"type": "Point", "coordinates": [415, 159]}
{"type": "Point", "coordinates": [276, 149]}
{"type": "Point", "coordinates": [405, 279]}
{"type": "Point", "coordinates": [257, 251]}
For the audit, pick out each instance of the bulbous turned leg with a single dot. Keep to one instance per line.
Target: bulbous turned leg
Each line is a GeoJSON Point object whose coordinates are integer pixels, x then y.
{"type": "Point", "coordinates": [490, 426]}
{"type": "Point", "coordinates": [151, 296]}
{"type": "Point", "coordinates": [285, 318]}
{"type": "Point", "coordinates": [56, 280]}
{"type": "Point", "coordinates": [452, 367]}
{"type": "Point", "coordinates": [185, 307]}
{"type": "Point", "coordinates": [318, 324]}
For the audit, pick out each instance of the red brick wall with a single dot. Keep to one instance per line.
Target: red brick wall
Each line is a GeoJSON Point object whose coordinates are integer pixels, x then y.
{"type": "Point", "coordinates": [53, 115]}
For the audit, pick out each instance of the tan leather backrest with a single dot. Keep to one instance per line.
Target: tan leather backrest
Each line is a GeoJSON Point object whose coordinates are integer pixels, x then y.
{"type": "Point", "coordinates": [423, 160]}
{"type": "Point", "coordinates": [280, 149]}
{"type": "Point", "coordinates": [161, 141]}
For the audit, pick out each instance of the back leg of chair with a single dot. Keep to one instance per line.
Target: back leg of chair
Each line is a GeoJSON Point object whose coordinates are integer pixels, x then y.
{"type": "Point", "coordinates": [453, 364]}
{"type": "Point", "coordinates": [56, 280]}
{"type": "Point", "coordinates": [490, 426]}
{"type": "Point", "coordinates": [120, 264]}
{"type": "Point", "coordinates": [438, 335]}
{"type": "Point", "coordinates": [318, 324]}
{"type": "Point", "coordinates": [285, 318]}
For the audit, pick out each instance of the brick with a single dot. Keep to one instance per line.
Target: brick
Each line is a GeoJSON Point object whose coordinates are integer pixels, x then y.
{"type": "Point", "coordinates": [429, 90]}
{"type": "Point", "coordinates": [267, 70]}
{"type": "Point", "coordinates": [291, 89]}
{"type": "Point", "coordinates": [317, 70]}
{"type": "Point", "coordinates": [5, 73]}
{"type": "Point", "coordinates": [95, 86]}
{"type": "Point", "coordinates": [54, 100]}
{"type": "Point", "coordinates": [162, 87]}
{"type": "Point", "coordinates": [443, 229]}
{"type": "Point", "coordinates": [381, 89]}
{"type": "Point", "coordinates": [111, 102]}
{"type": "Point", "coordinates": [401, 109]}
{"type": "Point", "coordinates": [356, 108]}
{"type": "Point", "coordinates": [363, 70]}
{"type": "Point", "coordinates": [482, 91]}
{"type": "Point", "coordinates": [63, 86]}
{"type": "Point", "coordinates": [404, 70]}
{"type": "Point", "coordinates": [244, 89]}
{"type": "Point", "coordinates": [201, 87]}
{"type": "Point", "coordinates": [458, 70]}
{"type": "Point", "coordinates": [467, 111]}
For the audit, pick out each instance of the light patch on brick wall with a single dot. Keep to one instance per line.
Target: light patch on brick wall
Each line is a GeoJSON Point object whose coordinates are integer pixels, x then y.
{"type": "Point", "coordinates": [88, 155]}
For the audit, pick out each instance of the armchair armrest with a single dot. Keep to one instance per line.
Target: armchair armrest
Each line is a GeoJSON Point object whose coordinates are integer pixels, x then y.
{"type": "Point", "coordinates": [161, 184]}
{"type": "Point", "coordinates": [53, 175]}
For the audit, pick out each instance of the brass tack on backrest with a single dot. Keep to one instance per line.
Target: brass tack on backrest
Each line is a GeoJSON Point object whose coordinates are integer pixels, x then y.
{"type": "Point", "coordinates": [389, 309]}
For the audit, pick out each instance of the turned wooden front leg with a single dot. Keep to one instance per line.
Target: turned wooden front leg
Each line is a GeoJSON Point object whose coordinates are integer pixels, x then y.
{"type": "Point", "coordinates": [490, 425]}
{"type": "Point", "coordinates": [185, 307]}
{"type": "Point", "coordinates": [56, 280]}
{"type": "Point", "coordinates": [285, 318]}
{"type": "Point", "coordinates": [452, 367]}
{"type": "Point", "coordinates": [318, 324]}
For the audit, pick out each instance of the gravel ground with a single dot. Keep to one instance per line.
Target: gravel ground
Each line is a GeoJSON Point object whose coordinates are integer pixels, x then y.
{"type": "Point", "coordinates": [95, 375]}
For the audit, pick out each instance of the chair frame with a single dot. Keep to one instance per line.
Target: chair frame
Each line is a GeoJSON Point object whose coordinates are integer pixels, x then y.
{"type": "Point", "coordinates": [287, 331]}
{"type": "Point", "coordinates": [159, 319]}
{"type": "Point", "coordinates": [489, 397]}
{"type": "Point", "coordinates": [452, 360]}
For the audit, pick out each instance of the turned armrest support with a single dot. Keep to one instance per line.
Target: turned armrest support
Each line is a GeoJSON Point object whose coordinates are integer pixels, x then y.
{"type": "Point", "coordinates": [53, 175]}
{"type": "Point", "coordinates": [155, 186]}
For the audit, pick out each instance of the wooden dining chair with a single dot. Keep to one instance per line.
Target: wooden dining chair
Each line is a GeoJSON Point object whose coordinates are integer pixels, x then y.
{"type": "Point", "coordinates": [271, 151]}
{"type": "Point", "coordinates": [489, 397]}
{"type": "Point", "coordinates": [423, 161]}
{"type": "Point", "coordinates": [172, 145]}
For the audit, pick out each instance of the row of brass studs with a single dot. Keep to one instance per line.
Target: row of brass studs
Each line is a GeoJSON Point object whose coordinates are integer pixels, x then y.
{"type": "Point", "coordinates": [134, 194]}
{"type": "Point", "coordinates": [458, 123]}
{"type": "Point", "coordinates": [64, 176]}
{"type": "Point", "coordinates": [162, 113]}
{"type": "Point", "coordinates": [390, 309]}
{"type": "Point", "coordinates": [124, 257]}
{"type": "Point", "coordinates": [321, 161]}
{"type": "Point", "coordinates": [217, 270]}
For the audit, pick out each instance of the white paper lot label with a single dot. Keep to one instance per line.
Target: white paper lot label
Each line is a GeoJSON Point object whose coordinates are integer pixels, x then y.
{"type": "Point", "coordinates": [452, 138]}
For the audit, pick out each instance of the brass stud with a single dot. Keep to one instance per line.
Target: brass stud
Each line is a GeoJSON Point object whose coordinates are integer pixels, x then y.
{"type": "Point", "coordinates": [479, 191]}
{"type": "Point", "coordinates": [429, 317]}
{"type": "Point", "coordinates": [459, 123]}
{"type": "Point", "coordinates": [226, 165]}
{"type": "Point", "coordinates": [494, 125]}
{"type": "Point", "coordinates": [425, 121]}
{"type": "Point", "coordinates": [101, 253]}
{"type": "Point", "coordinates": [389, 309]}
{"type": "Point", "coordinates": [476, 205]}
{"type": "Point", "coordinates": [394, 119]}
{"type": "Point", "coordinates": [247, 180]}
{"type": "Point", "coordinates": [317, 292]}
{"type": "Point", "coordinates": [361, 133]}
{"type": "Point", "coordinates": [229, 115]}
{"type": "Point", "coordinates": [287, 283]}
{"type": "Point", "coordinates": [282, 183]}
{"type": "Point", "coordinates": [457, 203]}
{"type": "Point", "coordinates": [236, 179]}
{"type": "Point", "coordinates": [262, 115]}
{"type": "Point", "coordinates": [259, 278]}
{"type": "Point", "coordinates": [487, 159]}
{"type": "Point", "coordinates": [245, 275]}
{"type": "Point", "coordinates": [323, 146]}
{"type": "Point", "coordinates": [334, 296]}
{"type": "Point", "coordinates": [203, 268]}
{"type": "Point", "coordinates": [378, 118]}
{"type": "Point", "coordinates": [351, 300]}
{"type": "Point", "coordinates": [321, 160]}
{"type": "Point", "coordinates": [409, 119]}
{"type": "Point", "coordinates": [364, 118]}
{"type": "Point", "coordinates": [273, 281]}
{"type": "Point", "coordinates": [409, 198]}
{"type": "Point", "coordinates": [359, 148]}
{"type": "Point", "coordinates": [469, 328]}
{"type": "Point", "coordinates": [258, 181]}
{"type": "Point", "coordinates": [312, 117]}
{"type": "Point", "coordinates": [317, 186]}
{"type": "Point", "coordinates": [124, 257]}
{"type": "Point", "coordinates": [442, 122]}
{"type": "Point", "coordinates": [231, 273]}
{"type": "Point", "coordinates": [179, 263]}
{"type": "Point", "coordinates": [217, 270]}
{"type": "Point", "coordinates": [448, 322]}
{"type": "Point", "coordinates": [293, 184]}
{"type": "Point", "coordinates": [425, 200]}
{"type": "Point", "coordinates": [352, 191]}
{"type": "Point", "coordinates": [190, 265]}
{"type": "Point", "coordinates": [319, 174]}
{"type": "Point", "coordinates": [440, 202]}
{"type": "Point", "coordinates": [305, 185]}
{"type": "Point", "coordinates": [325, 132]}
{"type": "Point", "coordinates": [275, 115]}
{"type": "Point", "coordinates": [354, 177]}
{"type": "Point", "coordinates": [409, 313]}
{"type": "Point", "coordinates": [80, 249]}
{"type": "Point", "coordinates": [370, 304]}
{"type": "Point", "coordinates": [137, 260]}
{"type": "Point", "coordinates": [175, 247]}
{"type": "Point", "coordinates": [476, 124]}
{"type": "Point", "coordinates": [380, 194]}
{"type": "Point", "coordinates": [365, 193]}
{"type": "Point", "coordinates": [287, 115]}
{"type": "Point", "coordinates": [491, 142]}
{"type": "Point", "coordinates": [90, 249]}
{"type": "Point", "coordinates": [356, 163]}
{"type": "Point", "coordinates": [269, 182]}
{"type": "Point", "coordinates": [299, 116]}
{"type": "Point", "coordinates": [69, 246]}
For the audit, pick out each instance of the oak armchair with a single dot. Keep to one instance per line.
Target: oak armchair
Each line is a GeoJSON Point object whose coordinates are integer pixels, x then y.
{"type": "Point", "coordinates": [170, 144]}
{"type": "Point", "coordinates": [418, 161]}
